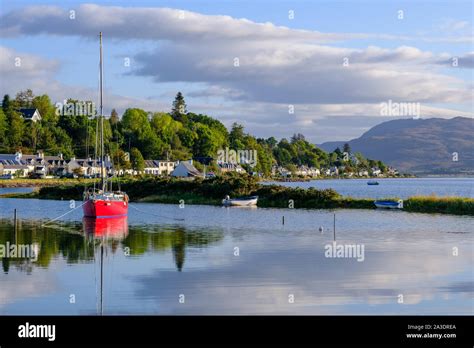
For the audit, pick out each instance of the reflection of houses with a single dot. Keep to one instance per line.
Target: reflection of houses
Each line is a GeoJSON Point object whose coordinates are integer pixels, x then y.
{"type": "Point", "coordinates": [30, 114]}
{"type": "Point", "coordinates": [159, 167]}
{"type": "Point", "coordinates": [185, 169]}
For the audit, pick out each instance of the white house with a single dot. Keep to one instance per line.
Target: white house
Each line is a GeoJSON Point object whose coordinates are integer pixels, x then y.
{"type": "Point", "coordinates": [185, 169]}
{"type": "Point", "coordinates": [30, 114]}
{"type": "Point", "coordinates": [159, 167]}
{"type": "Point", "coordinates": [376, 171]}
{"type": "Point", "coordinates": [230, 167]}
{"type": "Point", "coordinates": [15, 170]}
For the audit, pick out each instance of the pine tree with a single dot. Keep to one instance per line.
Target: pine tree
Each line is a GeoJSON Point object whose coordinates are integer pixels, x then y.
{"type": "Point", "coordinates": [179, 108]}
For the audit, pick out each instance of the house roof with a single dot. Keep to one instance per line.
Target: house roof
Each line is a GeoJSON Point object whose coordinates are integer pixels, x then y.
{"type": "Point", "coordinates": [15, 166]}
{"type": "Point", "coordinates": [152, 164]}
{"type": "Point", "coordinates": [190, 168]}
{"type": "Point", "coordinates": [28, 113]}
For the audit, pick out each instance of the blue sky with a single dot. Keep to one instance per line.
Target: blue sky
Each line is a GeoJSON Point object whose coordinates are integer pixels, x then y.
{"type": "Point", "coordinates": [404, 60]}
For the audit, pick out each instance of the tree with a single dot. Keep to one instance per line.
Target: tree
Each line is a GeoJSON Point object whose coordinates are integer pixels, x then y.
{"type": "Point", "coordinates": [138, 163]}
{"type": "Point", "coordinates": [6, 103]}
{"type": "Point", "coordinates": [179, 108]}
{"type": "Point", "coordinates": [236, 137]}
{"type": "Point", "coordinates": [3, 127]}
{"type": "Point", "coordinates": [24, 99]}
{"type": "Point", "coordinates": [114, 117]}
{"type": "Point", "coordinates": [16, 128]}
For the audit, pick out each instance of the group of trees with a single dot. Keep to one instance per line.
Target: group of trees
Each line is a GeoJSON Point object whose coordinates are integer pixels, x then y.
{"type": "Point", "coordinates": [139, 135]}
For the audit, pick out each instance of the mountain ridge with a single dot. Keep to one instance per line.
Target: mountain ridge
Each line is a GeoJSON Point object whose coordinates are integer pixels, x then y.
{"type": "Point", "coordinates": [418, 146]}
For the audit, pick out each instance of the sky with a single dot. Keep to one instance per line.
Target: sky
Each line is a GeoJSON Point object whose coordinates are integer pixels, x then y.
{"type": "Point", "coordinates": [320, 68]}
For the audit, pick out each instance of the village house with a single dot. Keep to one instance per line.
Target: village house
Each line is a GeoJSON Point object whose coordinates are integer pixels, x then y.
{"type": "Point", "coordinates": [39, 164]}
{"type": "Point", "coordinates": [13, 170]}
{"type": "Point", "coordinates": [226, 167]}
{"type": "Point", "coordinates": [185, 169]}
{"type": "Point", "coordinates": [376, 171]}
{"type": "Point", "coordinates": [30, 114]}
{"type": "Point", "coordinates": [280, 171]}
{"type": "Point", "coordinates": [159, 167]}
{"type": "Point", "coordinates": [87, 167]}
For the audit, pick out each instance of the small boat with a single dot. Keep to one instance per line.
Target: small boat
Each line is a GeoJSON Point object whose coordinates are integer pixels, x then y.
{"type": "Point", "coordinates": [372, 182]}
{"type": "Point", "coordinates": [389, 204]}
{"type": "Point", "coordinates": [242, 201]}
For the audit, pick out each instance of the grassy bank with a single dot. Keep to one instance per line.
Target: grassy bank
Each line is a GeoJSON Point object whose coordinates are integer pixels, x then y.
{"type": "Point", "coordinates": [43, 182]}
{"type": "Point", "coordinates": [212, 191]}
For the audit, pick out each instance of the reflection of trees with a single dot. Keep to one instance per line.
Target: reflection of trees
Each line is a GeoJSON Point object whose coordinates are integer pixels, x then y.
{"type": "Point", "coordinates": [141, 240]}
{"type": "Point", "coordinates": [66, 240]}
{"type": "Point", "coordinates": [51, 241]}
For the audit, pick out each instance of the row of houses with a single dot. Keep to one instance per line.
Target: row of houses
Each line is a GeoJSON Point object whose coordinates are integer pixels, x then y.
{"type": "Point", "coordinates": [331, 171]}
{"type": "Point", "coordinates": [39, 165]}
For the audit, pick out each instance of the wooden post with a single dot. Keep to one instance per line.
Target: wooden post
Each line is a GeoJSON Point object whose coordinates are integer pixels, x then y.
{"type": "Point", "coordinates": [15, 223]}
{"type": "Point", "coordinates": [283, 220]}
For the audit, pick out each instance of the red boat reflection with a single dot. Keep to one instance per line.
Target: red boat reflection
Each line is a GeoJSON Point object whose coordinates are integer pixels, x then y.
{"type": "Point", "coordinates": [106, 228]}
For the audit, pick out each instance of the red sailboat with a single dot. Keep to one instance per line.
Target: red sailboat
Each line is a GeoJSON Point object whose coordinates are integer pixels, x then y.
{"type": "Point", "coordinates": [103, 202]}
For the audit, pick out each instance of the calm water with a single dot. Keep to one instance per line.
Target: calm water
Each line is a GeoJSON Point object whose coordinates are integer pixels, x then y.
{"type": "Point", "coordinates": [162, 252]}
{"type": "Point", "coordinates": [402, 188]}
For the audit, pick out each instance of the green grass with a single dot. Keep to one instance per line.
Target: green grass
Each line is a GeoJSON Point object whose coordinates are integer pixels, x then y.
{"type": "Point", "coordinates": [43, 182]}
{"type": "Point", "coordinates": [442, 205]}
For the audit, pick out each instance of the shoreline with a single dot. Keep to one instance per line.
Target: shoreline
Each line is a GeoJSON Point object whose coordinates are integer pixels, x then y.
{"type": "Point", "coordinates": [211, 192]}
{"type": "Point", "coordinates": [13, 183]}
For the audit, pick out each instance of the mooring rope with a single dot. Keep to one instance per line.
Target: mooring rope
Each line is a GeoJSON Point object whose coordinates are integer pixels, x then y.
{"type": "Point", "coordinates": [161, 216]}
{"type": "Point", "coordinates": [70, 211]}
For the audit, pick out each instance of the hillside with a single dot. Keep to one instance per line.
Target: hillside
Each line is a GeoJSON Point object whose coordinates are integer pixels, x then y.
{"type": "Point", "coordinates": [422, 146]}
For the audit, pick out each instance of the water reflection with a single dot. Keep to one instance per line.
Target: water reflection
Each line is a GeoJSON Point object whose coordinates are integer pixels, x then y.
{"type": "Point", "coordinates": [76, 242]}
{"type": "Point", "coordinates": [148, 262]}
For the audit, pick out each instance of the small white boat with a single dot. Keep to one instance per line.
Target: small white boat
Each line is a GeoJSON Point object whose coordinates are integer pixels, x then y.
{"type": "Point", "coordinates": [242, 202]}
{"type": "Point", "coordinates": [389, 204]}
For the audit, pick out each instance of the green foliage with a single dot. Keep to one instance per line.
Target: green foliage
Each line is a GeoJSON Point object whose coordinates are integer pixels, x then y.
{"type": "Point", "coordinates": [178, 135]}
{"type": "Point", "coordinates": [138, 163]}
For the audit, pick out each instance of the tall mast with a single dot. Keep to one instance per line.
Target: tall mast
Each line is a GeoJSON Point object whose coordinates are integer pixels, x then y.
{"type": "Point", "coordinates": [102, 176]}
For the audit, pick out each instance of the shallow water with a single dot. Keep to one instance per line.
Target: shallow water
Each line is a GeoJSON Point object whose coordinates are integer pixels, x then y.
{"type": "Point", "coordinates": [162, 252]}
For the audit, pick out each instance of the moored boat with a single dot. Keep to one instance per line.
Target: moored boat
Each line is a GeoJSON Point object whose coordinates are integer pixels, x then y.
{"type": "Point", "coordinates": [372, 182]}
{"type": "Point", "coordinates": [104, 202]}
{"type": "Point", "coordinates": [389, 204]}
{"type": "Point", "coordinates": [242, 201]}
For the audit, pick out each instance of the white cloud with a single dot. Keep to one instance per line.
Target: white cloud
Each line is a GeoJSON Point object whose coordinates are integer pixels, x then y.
{"type": "Point", "coordinates": [278, 66]}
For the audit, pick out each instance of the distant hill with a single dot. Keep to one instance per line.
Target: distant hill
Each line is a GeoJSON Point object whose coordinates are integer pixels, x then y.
{"type": "Point", "coordinates": [422, 146]}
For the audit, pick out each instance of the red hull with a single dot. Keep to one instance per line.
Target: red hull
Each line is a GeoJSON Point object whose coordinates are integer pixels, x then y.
{"type": "Point", "coordinates": [112, 228]}
{"type": "Point", "coordinates": [102, 209]}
